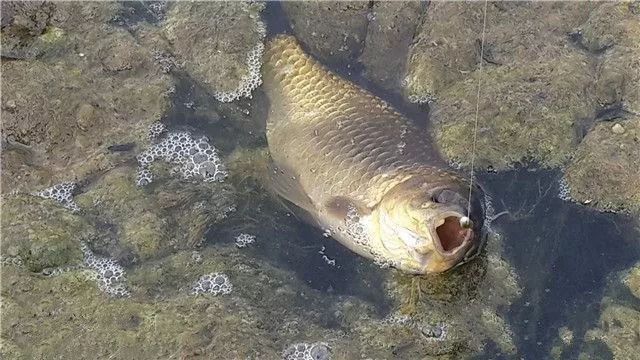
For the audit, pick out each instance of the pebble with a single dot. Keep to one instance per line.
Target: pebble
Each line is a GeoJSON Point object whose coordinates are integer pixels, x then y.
{"type": "Point", "coordinates": [617, 129]}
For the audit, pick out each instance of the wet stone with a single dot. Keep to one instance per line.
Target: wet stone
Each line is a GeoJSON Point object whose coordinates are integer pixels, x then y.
{"type": "Point", "coordinates": [617, 129]}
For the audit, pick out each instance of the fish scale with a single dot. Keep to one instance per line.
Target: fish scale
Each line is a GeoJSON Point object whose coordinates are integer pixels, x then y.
{"type": "Point", "coordinates": [361, 171]}
{"type": "Point", "coordinates": [354, 143]}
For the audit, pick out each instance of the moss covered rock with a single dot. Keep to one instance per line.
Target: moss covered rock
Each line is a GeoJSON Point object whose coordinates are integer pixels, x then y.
{"type": "Point", "coordinates": [612, 31]}
{"type": "Point", "coordinates": [334, 31]}
{"type": "Point", "coordinates": [95, 88]}
{"type": "Point", "coordinates": [516, 35]}
{"type": "Point", "coordinates": [42, 233]}
{"type": "Point", "coordinates": [454, 314]}
{"type": "Point", "coordinates": [151, 221]}
{"type": "Point", "coordinates": [219, 44]}
{"type": "Point", "coordinates": [390, 32]}
{"type": "Point", "coordinates": [528, 113]}
{"type": "Point", "coordinates": [26, 30]}
{"type": "Point", "coordinates": [618, 327]}
{"type": "Point", "coordinates": [605, 172]}
{"type": "Point", "coordinates": [632, 280]}
{"type": "Point", "coordinates": [535, 86]}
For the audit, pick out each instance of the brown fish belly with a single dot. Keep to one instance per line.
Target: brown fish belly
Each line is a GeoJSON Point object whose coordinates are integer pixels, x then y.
{"type": "Point", "coordinates": [333, 138]}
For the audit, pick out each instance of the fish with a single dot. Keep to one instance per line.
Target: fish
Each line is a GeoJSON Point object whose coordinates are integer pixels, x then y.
{"type": "Point", "coordinates": [352, 165]}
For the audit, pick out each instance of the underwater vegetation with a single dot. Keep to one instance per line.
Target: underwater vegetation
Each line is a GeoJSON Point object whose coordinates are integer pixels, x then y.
{"type": "Point", "coordinates": [134, 224]}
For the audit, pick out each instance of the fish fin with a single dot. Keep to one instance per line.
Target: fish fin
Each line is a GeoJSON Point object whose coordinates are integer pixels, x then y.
{"type": "Point", "coordinates": [284, 182]}
{"type": "Point", "coordinates": [339, 207]}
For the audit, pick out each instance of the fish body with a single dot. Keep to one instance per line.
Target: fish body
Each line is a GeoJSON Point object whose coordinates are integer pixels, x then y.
{"type": "Point", "coordinates": [360, 170]}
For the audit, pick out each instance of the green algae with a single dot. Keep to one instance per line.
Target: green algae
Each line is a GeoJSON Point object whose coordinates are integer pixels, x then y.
{"type": "Point", "coordinates": [72, 320]}
{"type": "Point", "coordinates": [605, 171]}
{"type": "Point", "coordinates": [467, 300]}
{"type": "Point", "coordinates": [93, 87]}
{"type": "Point", "coordinates": [216, 56]}
{"type": "Point", "coordinates": [42, 233]}
{"type": "Point", "coordinates": [612, 31]}
{"type": "Point", "coordinates": [528, 113]}
{"type": "Point", "coordinates": [169, 214]}
{"type": "Point", "coordinates": [632, 281]}
{"type": "Point", "coordinates": [52, 34]}
{"type": "Point", "coordinates": [618, 326]}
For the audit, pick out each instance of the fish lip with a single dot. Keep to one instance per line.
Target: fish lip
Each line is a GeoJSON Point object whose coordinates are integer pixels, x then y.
{"type": "Point", "coordinates": [458, 251]}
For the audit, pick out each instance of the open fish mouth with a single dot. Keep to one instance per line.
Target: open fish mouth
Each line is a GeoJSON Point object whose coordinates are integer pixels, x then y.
{"type": "Point", "coordinates": [450, 237]}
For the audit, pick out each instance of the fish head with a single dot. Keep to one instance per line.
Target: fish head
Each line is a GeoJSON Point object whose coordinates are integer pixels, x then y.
{"type": "Point", "coordinates": [428, 228]}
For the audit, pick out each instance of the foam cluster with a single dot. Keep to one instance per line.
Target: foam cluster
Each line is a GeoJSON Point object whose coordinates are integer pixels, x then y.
{"type": "Point", "coordinates": [194, 158]}
{"type": "Point", "coordinates": [11, 260]}
{"type": "Point", "coordinates": [564, 192]}
{"type": "Point", "coordinates": [421, 99]}
{"type": "Point", "coordinates": [243, 240]}
{"type": "Point", "coordinates": [214, 283]}
{"type": "Point", "coordinates": [156, 129]}
{"type": "Point", "coordinates": [165, 61]}
{"type": "Point", "coordinates": [306, 351]}
{"type": "Point", "coordinates": [109, 275]}
{"type": "Point", "coordinates": [158, 9]}
{"type": "Point", "coordinates": [253, 78]}
{"type": "Point", "coordinates": [61, 193]}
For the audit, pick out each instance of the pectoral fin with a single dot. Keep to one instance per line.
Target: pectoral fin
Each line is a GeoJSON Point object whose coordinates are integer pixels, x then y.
{"type": "Point", "coordinates": [285, 183]}
{"type": "Point", "coordinates": [339, 207]}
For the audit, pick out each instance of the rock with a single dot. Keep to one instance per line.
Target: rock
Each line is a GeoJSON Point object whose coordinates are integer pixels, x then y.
{"type": "Point", "coordinates": [68, 110]}
{"type": "Point", "coordinates": [42, 233]}
{"type": "Point", "coordinates": [612, 30]}
{"type": "Point", "coordinates": [566, 335]}
{"type": "Point", "coordinates": [530, 103]}
{"type": "Point", "coordinates": [24, 25]}
{"type": "Point", "coordinates": [618, 327]}
{"type": "Point", "coordinates": [150, 223]}
{"type": "Point", "coordinates": [447, 47]}
{"type": "Point", "coordinates": [632, 280]}
{"type": "Point", "coordinates": [617, 129]}
{"type": "Point", "coordinates": [606, 168]}
{"type": "Point", "coordinates": [389, 33]}
{"type": "Point", "coordinates": [219, 43]}
{"type": "Point", "coordinates": [526, 113]}
{"type": "Point", "coordinates": [439, 56]}
{"type": "Point", "coordinates": [334, 31]}
{"type": "Point", "coordinates": [437, 302]}
{"type": "Point", "coordinates": [619, 324]}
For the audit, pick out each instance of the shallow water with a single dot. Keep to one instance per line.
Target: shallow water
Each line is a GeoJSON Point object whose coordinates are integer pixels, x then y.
{"type": "Point", "coordinates": [564, 253]}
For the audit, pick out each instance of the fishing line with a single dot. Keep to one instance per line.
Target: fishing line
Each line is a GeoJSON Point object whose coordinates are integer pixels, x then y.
{"type": "Point", "coordinates": [475, 128]}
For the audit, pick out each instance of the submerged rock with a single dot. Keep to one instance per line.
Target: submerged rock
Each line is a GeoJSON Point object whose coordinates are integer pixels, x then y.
{"type": "Point", "coordinates": [440, 56]}
{"type": "Point", "coordinates": [454, 314]}
{"type": "Point", "coordinates": [334, 31]}
{"type": "Point", "coordinates": [525, 114]}
{"type": "Point", "coordinates": [389, 33]}
{"type": "Point", "coordinates": [535, 86]}
{"type": "Point", "coordinates": [26, 30]}
{"type": "Point", "coordinates": [97, 88]}
{"type": "Point", "coordinates": [41, 233]}
{"type": "Point", "coordinates": [220, 44]}
{"type": "Point", "coordinates": [448, 45]}
{"type": "Point", "coordinates": [605, 171]}
{"type": "Point", "coordinates": [612, 31]}
{"type": "Point", "coordinates": [150, 223]}
{"type": "Point", "coordinates": [619, 324]}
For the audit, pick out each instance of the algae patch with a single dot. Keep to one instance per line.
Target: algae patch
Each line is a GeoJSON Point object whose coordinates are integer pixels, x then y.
{"type": "Point", "coordinates": [41, 233]}
{"type": "Point", "coordinates": [605, 172]}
